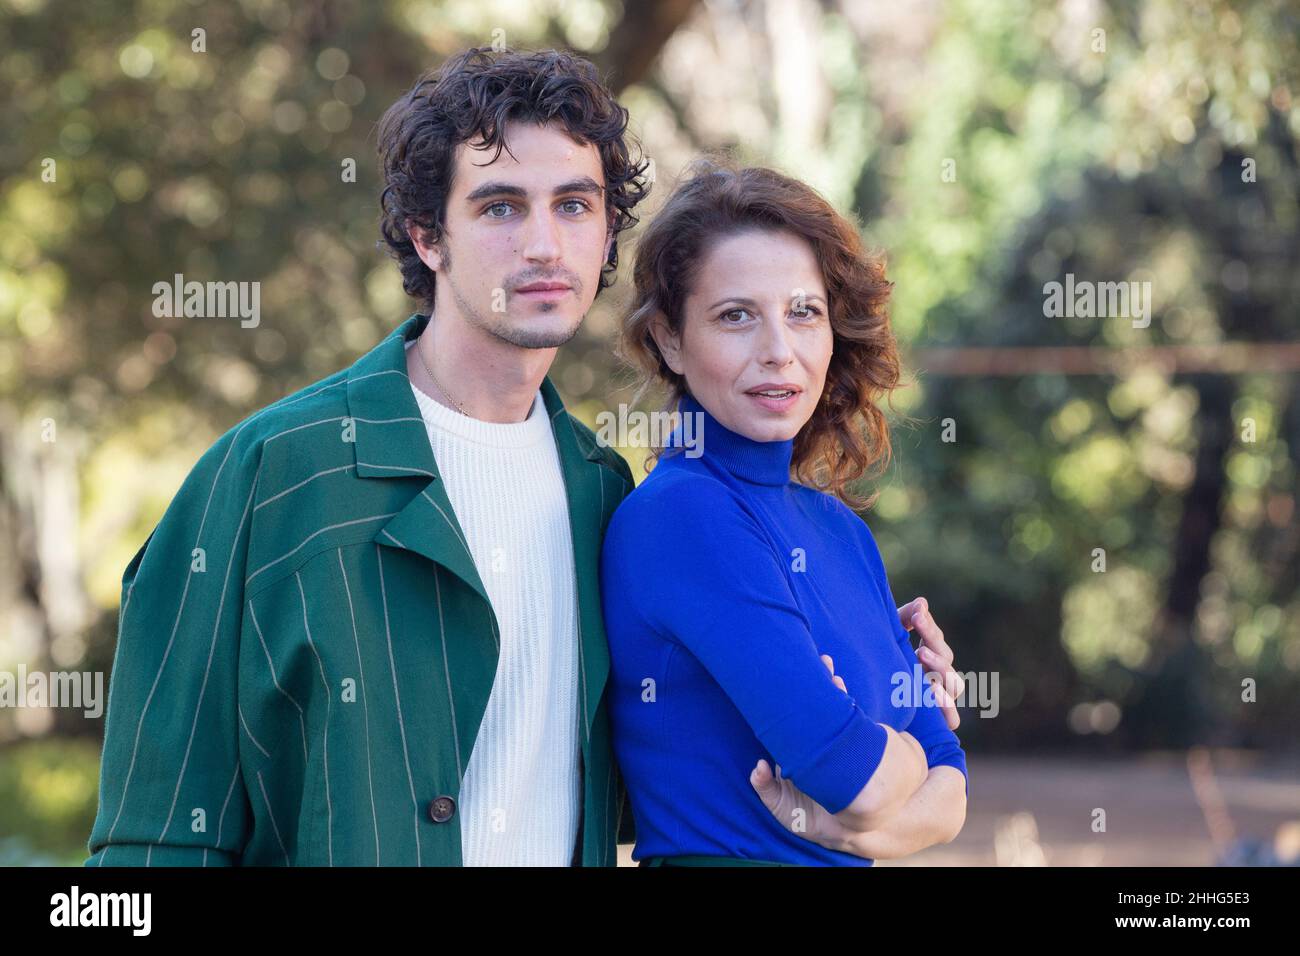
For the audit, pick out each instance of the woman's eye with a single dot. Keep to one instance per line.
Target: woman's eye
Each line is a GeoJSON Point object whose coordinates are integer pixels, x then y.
{"type": "Point", "coordinates": [807, 313]}
{"type": "Point", "coordinates": [726, 316]}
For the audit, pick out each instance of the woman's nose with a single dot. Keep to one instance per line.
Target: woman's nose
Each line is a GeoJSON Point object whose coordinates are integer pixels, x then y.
{"type": "Point", "coordinates": [774, 348]}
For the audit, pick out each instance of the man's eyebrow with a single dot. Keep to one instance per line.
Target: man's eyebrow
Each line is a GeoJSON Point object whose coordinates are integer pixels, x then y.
{"type": "Point", "coordinates": [583, 184]}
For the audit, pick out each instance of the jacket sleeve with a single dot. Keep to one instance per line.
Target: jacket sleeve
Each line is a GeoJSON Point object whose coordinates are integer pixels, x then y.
{"type": "Point", "coordinates": [170, 790]}
{"type": "Point", "coordinates": [695, 566]}
{"type": "Point", "coordinates": [627, 822]}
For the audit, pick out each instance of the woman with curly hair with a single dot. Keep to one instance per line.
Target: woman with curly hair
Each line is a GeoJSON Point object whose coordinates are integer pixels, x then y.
{"type": "Point", "coordinates": [767, 705]}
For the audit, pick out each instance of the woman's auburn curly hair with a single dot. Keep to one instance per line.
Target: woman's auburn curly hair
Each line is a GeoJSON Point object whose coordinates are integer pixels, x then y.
{"type": "Point", "coordinates": [847, 435]}
{"type": "Point", "coordinates": [471, 98]}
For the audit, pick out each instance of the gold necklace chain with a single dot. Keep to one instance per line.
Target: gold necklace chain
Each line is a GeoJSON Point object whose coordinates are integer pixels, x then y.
{"type": "Point", "coordinates": [459, 407]}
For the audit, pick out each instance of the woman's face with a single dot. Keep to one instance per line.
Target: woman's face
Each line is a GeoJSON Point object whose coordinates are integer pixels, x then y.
{"type": "Point", "coordinates": [756, 322]}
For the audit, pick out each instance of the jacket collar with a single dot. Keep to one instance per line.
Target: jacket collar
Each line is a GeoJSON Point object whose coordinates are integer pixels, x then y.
{"type": "Point", "coordinates": [374, 395]}
{"type": "Point", "coordinates": [391, 443]}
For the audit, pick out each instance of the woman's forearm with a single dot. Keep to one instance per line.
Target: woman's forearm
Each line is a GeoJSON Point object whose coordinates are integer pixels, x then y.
{"type": "Point", "coordinates": [901, 772]}
{"type": "Point", "coordinates": [934, 814]}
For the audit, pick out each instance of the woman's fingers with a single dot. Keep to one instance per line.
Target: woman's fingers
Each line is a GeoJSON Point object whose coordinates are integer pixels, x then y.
{"type": "Point", "coordinates": [798, 812]}
{"type": "Point", "coordinates": [948, 684]}
{"type": "Point", "coordinates": [950, 714]}
{"type": "Point", "coordinates": [907, 614]}
{"type": "Point", "coordinates": [777, 793]}
{"type": "Point", "coordinates": [790, 805]}
{"type": "Point", "coordinates": [915, 616]}
{"type": "Point", "coordinates": [936, 655]}
{"type": "Point", "coordinates": [830, 666]}
{"type": "Point", "coordinates": [943, 670]}
{"type": "Point", "coordinates": [947, 703]}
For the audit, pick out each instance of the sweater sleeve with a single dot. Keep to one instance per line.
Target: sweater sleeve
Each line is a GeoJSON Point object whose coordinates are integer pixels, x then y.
{"type": "Point", "coordinates": [692, 563]}
{"type": "Point", "coordinates": [928, 725]}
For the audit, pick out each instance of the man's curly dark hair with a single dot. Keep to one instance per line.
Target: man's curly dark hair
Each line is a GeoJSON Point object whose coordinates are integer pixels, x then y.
{"type": "Point", "coordinates": [472, 97]}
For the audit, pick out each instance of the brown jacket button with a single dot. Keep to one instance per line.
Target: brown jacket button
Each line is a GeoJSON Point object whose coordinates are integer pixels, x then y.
{"type": "Point", "coordinates": [441, 809]}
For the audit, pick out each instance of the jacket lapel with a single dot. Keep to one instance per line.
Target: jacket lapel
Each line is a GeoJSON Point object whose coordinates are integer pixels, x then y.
{"type": "Point", "coordinates": [584, 482]}
{"type": "Point", "coordinates": [391, 443]}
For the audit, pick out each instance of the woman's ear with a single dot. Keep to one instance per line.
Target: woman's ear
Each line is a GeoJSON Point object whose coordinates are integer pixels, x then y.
{"type": "Point", "coordinates": [670, 346]}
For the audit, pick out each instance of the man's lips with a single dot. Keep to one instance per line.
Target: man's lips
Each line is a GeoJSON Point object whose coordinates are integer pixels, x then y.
{"type": "Point", "coordinates": [541, 287]}
{"type": "Point", "coordinates": [545, 292]}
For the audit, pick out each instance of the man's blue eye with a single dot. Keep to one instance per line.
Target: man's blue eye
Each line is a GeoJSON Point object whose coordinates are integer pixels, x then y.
{"type": "Point", "coordinates": [582, 206]}
{"type": "Point", "coordinates": [497, 205]}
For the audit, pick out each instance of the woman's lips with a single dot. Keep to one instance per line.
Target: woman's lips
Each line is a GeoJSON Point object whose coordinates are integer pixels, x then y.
{"type": "Point", "coordinates": [775, 404]}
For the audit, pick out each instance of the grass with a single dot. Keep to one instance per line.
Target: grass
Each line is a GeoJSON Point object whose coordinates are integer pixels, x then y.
{"type": "Point", "coordinates": [48, 797]}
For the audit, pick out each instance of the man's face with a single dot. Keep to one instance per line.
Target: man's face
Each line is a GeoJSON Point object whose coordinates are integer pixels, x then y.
{"type": "Point", "coordinates": [525, 237]}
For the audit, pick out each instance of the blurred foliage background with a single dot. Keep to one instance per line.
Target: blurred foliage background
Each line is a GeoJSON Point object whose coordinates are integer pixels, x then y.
{"type": "Point", "coordinates": [987, 146]}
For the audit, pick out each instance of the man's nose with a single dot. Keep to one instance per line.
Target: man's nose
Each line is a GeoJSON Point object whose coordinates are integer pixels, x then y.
{"type": "Point", "coordinates": [541, 237]}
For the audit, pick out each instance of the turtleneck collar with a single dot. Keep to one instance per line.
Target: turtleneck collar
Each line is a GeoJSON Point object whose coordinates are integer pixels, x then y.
{"type": "Point", "coordinates": [758, 462]}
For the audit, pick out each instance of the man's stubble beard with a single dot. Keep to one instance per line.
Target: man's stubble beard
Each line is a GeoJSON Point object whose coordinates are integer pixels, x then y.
{"type": "Point", "coordinates": [499, 327]}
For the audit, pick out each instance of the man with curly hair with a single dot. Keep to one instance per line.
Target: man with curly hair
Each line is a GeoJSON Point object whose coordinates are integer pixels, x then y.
{"type": "Point", "coordinates": [367, 630]}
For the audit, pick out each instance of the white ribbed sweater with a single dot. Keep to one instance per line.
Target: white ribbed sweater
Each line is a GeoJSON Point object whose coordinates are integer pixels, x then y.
{"type": "Point", "coordinates": [519, 799]}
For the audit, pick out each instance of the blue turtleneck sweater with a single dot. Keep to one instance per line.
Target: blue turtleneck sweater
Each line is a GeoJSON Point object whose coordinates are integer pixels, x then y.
{"type": "Point", "coordinates": [723, 581]}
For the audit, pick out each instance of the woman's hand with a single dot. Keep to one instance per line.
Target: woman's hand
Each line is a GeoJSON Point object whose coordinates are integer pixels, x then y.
{"type": "Point", "coordinates": [800, 813]}
{"type": "Point", "coordinates": [805, 817]}
{"type": "Point", "coordinates": [935, 656]}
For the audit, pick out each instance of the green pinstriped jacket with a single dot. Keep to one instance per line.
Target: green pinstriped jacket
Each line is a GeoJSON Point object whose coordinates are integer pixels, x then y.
{"type": "Point", "coordinates": [306, 650]}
